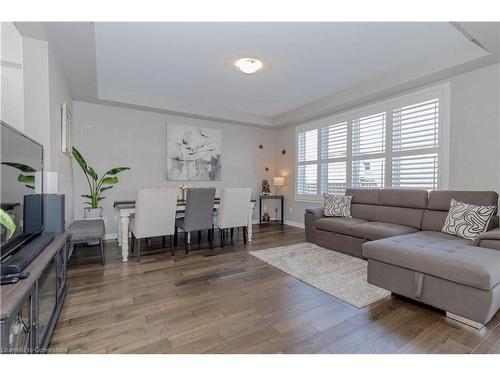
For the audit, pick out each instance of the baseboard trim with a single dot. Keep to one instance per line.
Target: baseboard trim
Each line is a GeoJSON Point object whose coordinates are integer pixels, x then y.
{"type": "Point", "coordinates": [294, 224]}
{"type": "Point", "coordinates": [110, 236]}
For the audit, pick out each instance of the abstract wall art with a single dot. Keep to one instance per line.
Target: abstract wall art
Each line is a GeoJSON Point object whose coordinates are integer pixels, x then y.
{"type": "Point", "coordinates": [193, 153]}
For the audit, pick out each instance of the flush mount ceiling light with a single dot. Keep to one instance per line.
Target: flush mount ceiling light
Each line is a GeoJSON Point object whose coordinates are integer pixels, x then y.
{"type": "Point", "coordinates": [248, 65]}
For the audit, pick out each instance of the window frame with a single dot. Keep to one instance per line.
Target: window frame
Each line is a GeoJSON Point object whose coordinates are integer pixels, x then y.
{"type": "Point", "coordinates": [388, 105]}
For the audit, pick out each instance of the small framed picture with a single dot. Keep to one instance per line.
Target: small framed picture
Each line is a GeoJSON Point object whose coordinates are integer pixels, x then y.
{"type": "Point", "coordinates": [66, 129]}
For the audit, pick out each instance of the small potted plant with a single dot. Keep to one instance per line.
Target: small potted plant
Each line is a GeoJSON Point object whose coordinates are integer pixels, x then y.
{"type": "Point", "coordinates": [96, 185]}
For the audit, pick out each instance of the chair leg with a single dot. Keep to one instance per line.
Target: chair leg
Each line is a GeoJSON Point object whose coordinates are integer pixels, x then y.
{"type": "Point", "coordinates": [232, 234]}
{"type": "Point", "coordinates": [199, 237]}
{"type": "Point", "coordinates": [138, 250]}
{"type": "Point", "coordinates": [148, 243]}
{"type": "Point", "coordinates": [186, 245]}
{"type": "Point", "coordinates": [102, 252]}
{"type": "Point", "coordinates": [171, 241]}
{"type": "Point", "coordinates": [221, 234]}
{"type": "Point", "coordinates": [132, 243]}
{"type": "Point", "coordinates": [163, 241]}
{"type": "Point", "coordinates": [176, 236]}
{"type": "Point", "coordinates": [245, 235]}
{"type": "Point", "coordinates": [211, 238]}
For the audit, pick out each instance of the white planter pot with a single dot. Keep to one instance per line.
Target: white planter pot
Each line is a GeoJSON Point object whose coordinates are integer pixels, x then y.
{"type": "Point", "coordinates": [92, 213]}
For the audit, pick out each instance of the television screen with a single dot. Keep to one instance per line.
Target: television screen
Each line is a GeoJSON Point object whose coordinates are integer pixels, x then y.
{"type": "Point", "coordinates": [21, 187]}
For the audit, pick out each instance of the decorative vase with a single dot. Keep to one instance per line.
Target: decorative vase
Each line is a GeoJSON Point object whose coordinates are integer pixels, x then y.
{"type": "Point", "coordinates": [92, 213]}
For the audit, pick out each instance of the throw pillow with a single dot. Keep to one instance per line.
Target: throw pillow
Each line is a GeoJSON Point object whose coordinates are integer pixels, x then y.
{"type": "Point", "coordinates": [337, 205]}
{"type": "Point", "coordinates": [467, 220]}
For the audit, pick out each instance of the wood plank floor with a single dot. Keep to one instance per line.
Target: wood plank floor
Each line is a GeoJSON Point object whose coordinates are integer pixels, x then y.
{"type": "Point", "coordinates": [226, 301]}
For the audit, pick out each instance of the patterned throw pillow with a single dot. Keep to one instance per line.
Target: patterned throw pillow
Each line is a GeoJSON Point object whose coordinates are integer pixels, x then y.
{"type": "Point", "coordinates": [337, 205]}
{"type": "Point", "coordinates": [467, 220]}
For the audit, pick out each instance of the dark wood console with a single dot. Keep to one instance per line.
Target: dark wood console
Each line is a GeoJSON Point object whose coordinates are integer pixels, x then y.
{"type": "Point", "coordinates": [29, 309]}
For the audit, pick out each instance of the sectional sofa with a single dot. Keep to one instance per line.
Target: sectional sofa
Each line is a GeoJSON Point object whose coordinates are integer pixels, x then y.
{"type": "Point", "coordinates": [399, 233]}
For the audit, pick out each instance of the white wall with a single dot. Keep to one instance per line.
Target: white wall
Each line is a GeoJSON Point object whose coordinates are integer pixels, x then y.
{"type": "Point", "coordinates": [36, 93]}
{"type": "Point", "coordinates": [11, 76]}
{"type": "Point", "coordinates": [59, 93]}
{"type": "Point", "coordinates": [474, 138]}
{"type": "Point", "coordinates": [112, 136]}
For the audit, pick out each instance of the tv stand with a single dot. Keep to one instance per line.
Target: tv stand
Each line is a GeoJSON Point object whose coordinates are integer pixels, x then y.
{"type": "Point", "coordinates": [29, 309]}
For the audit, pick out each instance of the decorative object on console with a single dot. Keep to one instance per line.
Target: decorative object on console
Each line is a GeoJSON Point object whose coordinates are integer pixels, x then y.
{"type": "Point", "coordinates": [266, 218]}
{"type": "Point", "coordinates": [96, 185]}
{"type": "Point", "coordinates": [278, 182]}
{"type": "Point", "coordinates": [193, 153]}
{"type": "Point", "coordinates": [337, 205]}
{"type": "Point", "coordinates": [183, 189]}
{"type": "Point", "coordinates": [50, 183]}
{"type": "Point", "coordinates": [266, 188]}
{"type": "Point", "coordinates": [66, 130]}
{"type": "Point", "coordinates": [467, 220]}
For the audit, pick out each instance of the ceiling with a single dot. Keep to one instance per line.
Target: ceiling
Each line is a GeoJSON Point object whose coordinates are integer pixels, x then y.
{"type": "Point", "coordinates": [187, 68]}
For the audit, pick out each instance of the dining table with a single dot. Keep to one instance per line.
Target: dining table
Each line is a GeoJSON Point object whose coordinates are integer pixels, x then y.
{"type": "Point", "coordinates": [125, 209]}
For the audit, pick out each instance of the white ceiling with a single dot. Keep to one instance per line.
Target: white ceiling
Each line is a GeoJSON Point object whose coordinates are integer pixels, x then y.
{"type": "Point", "coordinates": [187, 67]}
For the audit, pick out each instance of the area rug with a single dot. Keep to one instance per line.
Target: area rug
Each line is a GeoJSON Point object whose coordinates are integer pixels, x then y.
{"type": "Point", "coordinates": [340, 275]}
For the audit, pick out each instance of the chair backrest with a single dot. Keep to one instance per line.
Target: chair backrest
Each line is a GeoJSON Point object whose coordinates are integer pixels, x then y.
{"type": "Point", "coordinates": [155, 212]}
{"type": "Point", "coordinates": [199, 209]}
{"type": "Point", "coordinates": [234, 206]}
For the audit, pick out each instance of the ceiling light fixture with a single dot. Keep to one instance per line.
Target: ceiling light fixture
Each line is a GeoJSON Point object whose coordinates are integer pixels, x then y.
{"type": "Point", "coordinates": [248, 65]}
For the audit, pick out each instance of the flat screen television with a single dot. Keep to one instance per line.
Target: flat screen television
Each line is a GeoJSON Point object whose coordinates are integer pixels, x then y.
{"type": "Point", "coordinates": [21, 187]}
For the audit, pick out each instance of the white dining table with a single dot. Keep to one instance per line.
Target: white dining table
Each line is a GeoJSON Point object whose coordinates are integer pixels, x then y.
{"type": "Point", "coordinates": [125, 209]}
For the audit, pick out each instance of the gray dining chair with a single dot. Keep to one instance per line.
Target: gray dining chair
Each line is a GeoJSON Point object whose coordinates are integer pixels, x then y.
{"type": "Point", "coordinates": [155, 211]}
{"type": "Point", "coordinates": [233, 212]}
{"type": "Point", "coordinates": [198, 215]}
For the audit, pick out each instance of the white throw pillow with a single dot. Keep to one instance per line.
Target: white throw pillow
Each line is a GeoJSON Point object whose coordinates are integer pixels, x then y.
{"type": "Point", "coordinates": [467, 220]}
{"type": "Point", "coordinates": [337, 205]}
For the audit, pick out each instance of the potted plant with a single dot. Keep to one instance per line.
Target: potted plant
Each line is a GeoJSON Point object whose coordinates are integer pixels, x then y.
{"type": "Point", "coordinates": [96, 185]}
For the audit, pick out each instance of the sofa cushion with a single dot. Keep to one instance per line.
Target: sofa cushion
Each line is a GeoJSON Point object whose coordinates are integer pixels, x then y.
{"type": "Point", "coordinates": [403, 198]}
{"type": "Point", "coordinates": [364, 196]}
{"type": "Point", "coordinates": [439, 200]}
{"type": "Point", "coordinates": [411, 217]}
{"type": "Point", "coordinates": [340, 225]}
{"type": "Point", "coordinates": [375, 230]}
{"type": "Point", "coordinates": [337, 205]}
{"type": "Point", "coordinates": [467, 220]}
{"type": "Point", "coordinates": [441, 255]}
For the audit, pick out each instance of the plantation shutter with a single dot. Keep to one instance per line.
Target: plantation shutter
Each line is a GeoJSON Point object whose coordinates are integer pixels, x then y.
{"type": "Point", "coordinates": [307, 156]}
{"type": "Point", "coordinates": [415, 143]}
{"type": "Point", "coordinates": [368, 147]}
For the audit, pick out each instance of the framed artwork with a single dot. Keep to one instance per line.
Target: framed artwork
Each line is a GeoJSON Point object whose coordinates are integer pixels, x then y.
{"type": "Point", "coordinates": [193, 153]}
{"type": "Point", "coordinates": [66, 130]}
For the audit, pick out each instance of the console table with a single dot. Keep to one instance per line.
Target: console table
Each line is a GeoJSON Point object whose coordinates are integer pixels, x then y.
{"type": "Point", "coordinates": [29, 308]}
{"type": "Point", "coordinates": [281, 198]}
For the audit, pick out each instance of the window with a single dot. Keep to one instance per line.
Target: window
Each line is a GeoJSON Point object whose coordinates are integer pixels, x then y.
{"type": "Point", "coordinates": [399, 143]}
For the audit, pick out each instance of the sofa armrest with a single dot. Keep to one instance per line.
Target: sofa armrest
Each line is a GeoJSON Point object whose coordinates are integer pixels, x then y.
{"type": "Point", "coordinates": [490, 235]}
{"type": "Point", "coordinates": [317, 212]}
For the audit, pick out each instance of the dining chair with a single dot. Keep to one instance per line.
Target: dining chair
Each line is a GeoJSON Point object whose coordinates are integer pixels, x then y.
{"type": "Point", "coordinates": [155, 210]}
{"type": "Point", "coordinates": [198, 215]}
{"type": "Point", "coordinates": [233, 212]}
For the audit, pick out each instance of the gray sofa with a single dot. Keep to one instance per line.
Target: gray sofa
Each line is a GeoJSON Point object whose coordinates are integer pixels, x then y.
{"type": "Point", "coordinates": [399, 233]}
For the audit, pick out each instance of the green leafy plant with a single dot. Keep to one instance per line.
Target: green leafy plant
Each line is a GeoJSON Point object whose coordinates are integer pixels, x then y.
{"type": "Point", "coordinates": [27, 179]}
{"type": "Point", "coordinates": [96, 185]}
{"type": "Point", "coordinates": [7, 222]}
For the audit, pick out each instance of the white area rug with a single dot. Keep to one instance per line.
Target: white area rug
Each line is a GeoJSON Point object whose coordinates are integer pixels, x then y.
{"type": "Point", "coordinates": [340, 275]}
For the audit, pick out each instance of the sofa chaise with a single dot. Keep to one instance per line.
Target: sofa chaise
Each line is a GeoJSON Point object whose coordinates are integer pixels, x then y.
{"type": "Point", "coordinates": [399, 233]}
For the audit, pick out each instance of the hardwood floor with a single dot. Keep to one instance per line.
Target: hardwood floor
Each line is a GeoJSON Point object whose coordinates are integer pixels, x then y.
{"type": "Point", "coordinates": [226, 301]}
